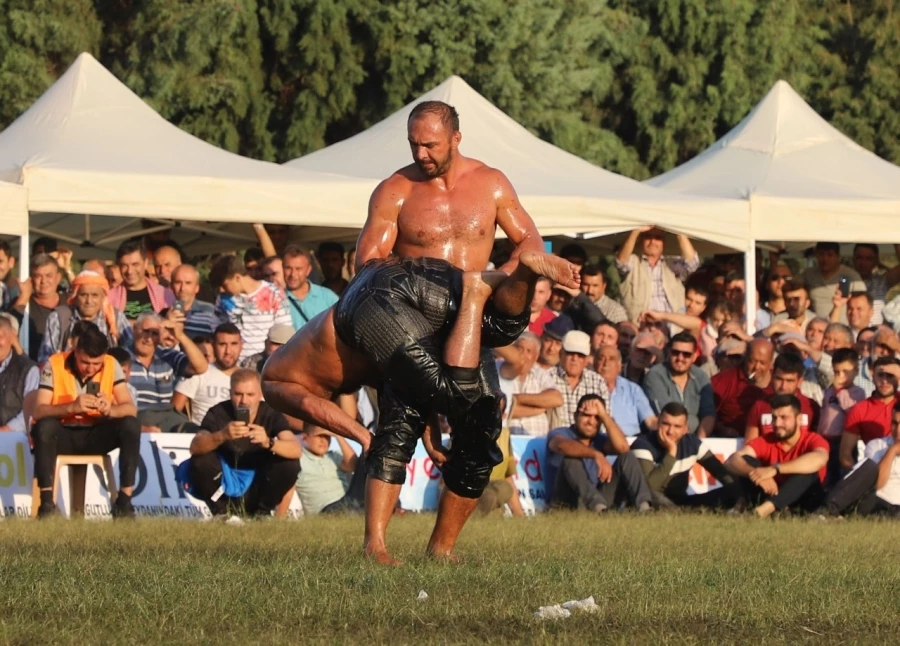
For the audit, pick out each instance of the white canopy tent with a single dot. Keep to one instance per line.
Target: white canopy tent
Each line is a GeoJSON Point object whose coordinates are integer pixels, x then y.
{"type": "Point", "coordinates": [803, 180]}
{"type": "Point", "coordinates": [563, 193]}
{"type": "Point", "coordinates": [89, 145]}
{"type": "Point", "coordinates": [13, 210]}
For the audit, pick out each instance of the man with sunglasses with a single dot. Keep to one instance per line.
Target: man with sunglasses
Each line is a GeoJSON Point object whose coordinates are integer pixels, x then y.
{"type": "Point", "coordinates": [577, 467]}
{"type": "Point", "coordinates": [779, 275]}
{"type": "Point", "coordinates": [871, 419]}
{"type": "Point", "coordinates": [154, 369]}
{"type": "Point", "coordinates": [679, 380]}
{"type": "Point", "coordinates": [652, 281]}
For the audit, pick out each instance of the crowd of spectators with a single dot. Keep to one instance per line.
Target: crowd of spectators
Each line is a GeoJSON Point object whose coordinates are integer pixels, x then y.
{"type": "Point", "coordinates": [626, 378]}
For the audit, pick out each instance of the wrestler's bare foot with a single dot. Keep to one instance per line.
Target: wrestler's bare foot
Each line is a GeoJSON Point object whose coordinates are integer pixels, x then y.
{"type": "Point", "coordinates": [444, 557]}
{"type": "Point", "coordinates": [380, 556]}
{"type": "Point", "coordinates": [553, 267]}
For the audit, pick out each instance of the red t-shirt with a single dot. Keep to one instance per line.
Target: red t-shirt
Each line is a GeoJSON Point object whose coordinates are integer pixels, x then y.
{"type": "Point", "coordinates": [537, 326]}
{"type": "Point", "coordinates": [769, 451]}
{"type": "Point", "coordinates": [870, 419]}
{"type": "Point", "coordinates": [735, 396]}
{"type": "Point", "coordinates": [808, 407]}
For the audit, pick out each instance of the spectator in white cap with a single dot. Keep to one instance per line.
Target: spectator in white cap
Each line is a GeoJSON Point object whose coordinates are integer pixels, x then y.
{"type": "Point", "coordinates": [277, 337]}
{"type": "Point", "coordinates": [574, 379]}
{"type": "Point", "coordinates": [644, 353]}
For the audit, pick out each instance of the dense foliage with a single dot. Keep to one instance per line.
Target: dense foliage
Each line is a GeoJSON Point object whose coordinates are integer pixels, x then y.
{"type": "Point", "coordinates": [636, 86]}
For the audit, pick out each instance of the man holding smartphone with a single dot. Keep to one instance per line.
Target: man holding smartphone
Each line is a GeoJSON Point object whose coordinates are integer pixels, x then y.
{"type": "Point", "coordinates": [827, 276]}
{"type": "Point", "coordinates": [246, 458]}
{"type": "Point", "coordinates": [83, 407]}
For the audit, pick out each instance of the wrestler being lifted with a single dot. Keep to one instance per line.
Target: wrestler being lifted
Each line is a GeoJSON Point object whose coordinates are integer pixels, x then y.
{"type": "Point", "coordinates": [393, 324]}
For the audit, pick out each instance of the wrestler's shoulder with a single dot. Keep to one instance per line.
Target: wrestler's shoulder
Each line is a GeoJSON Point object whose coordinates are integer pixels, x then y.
{"type": "Point", "coordinates": [481, 172]}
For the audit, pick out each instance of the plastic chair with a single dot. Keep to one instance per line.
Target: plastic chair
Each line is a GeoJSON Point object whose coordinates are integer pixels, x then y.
{"type": "Point", "coordinates": [78, 465]}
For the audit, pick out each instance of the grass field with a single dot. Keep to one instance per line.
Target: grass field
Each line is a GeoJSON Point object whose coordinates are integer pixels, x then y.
{"type": "Point", "coordinates": [658, 579]}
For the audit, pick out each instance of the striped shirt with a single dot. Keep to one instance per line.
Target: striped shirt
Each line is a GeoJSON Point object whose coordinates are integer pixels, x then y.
{"type": "Point", "coordinates": [201, 319]}
{"type": "Point", "coordinates": [155, 384]}
{"type": "Point", "coordinates": [590, 383]}
{"type": "Point", "coordinates": [535, 382]}
{"type": "Point", "coordinates": [256, 313]}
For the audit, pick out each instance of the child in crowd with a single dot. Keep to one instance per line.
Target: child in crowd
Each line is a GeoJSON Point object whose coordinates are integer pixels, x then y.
{"type": "Point", "coordinates": [839, 398]}
{"type": "Point", "coordinates": [718, 315]}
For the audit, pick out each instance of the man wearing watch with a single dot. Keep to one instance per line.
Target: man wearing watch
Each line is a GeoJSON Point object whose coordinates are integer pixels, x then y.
{"type": "Point", "coordinates": [784, 467]}
{"type": "Point", "coordinates": [245, 459]}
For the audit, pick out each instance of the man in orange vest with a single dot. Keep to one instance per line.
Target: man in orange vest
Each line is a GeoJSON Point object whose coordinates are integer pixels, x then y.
{"type": "Point", "coordinates": [84, 407]}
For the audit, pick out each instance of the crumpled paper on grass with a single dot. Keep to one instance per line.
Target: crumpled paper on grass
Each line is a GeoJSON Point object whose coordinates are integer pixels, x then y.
{"type": "Point", "coordinates": [563, 610]}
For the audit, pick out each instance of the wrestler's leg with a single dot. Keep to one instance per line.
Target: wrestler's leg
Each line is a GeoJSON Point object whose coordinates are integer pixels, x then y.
{"type": "Point", "coordinates": [399, 428]}
{"type": "Point", "coordinates": [381, 501]}
{"type": "Point", "coordinates": [463, 346]}
{"type": "Point", "coordinates": [514, 294]}
{"type": "Point", "coordinates": [473, 454]}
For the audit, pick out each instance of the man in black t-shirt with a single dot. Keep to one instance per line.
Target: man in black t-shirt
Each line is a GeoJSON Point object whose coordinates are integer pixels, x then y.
{"type": "Point", "coordinates": [666, 457]}
{"type": "Point", "coordinates": [246, 459]}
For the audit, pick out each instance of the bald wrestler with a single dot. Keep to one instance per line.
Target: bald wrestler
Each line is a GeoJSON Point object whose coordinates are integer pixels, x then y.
{"type": "Point", "coordinates": [447, 206]}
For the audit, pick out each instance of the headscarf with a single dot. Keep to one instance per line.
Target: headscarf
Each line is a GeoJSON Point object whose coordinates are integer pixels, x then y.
{"type": "Point", "coordinates": [93, 279]}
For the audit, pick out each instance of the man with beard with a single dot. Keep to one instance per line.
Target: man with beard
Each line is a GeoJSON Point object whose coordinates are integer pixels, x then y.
{"type": "Point", "coordinates": [785, 467]}
{"type": "Point", "coordinates": [679, 380]}
{"type": "Point", "coordinates": [443, 206]}
{"type": "Point", "coordinates": [207, 389]}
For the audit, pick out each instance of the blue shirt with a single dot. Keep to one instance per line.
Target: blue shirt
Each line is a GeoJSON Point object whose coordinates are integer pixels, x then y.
{"type": "Point", "coordinates": [554, 460]}
{"type": "Point", "coordinates": [629, 406]}
{"type": "Point", "coordinates": [201, 319]}
{"type": "Point", "coordinates": [156, 385]}
{"type": "Point", "coordinates": [318, 299]}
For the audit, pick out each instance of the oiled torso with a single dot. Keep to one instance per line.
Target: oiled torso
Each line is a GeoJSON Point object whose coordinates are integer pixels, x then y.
{"type": "Point", "coordinates": [455, 224]}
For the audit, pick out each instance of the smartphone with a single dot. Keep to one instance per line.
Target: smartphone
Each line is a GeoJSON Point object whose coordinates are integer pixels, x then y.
{"type": "Point", "coordinates": [93, 388]}
{"type": "Point", "coordinates": [179, 306]}
{"type": "Point", "coordinates": [242, 415]}
{"type": "Point", "coordinates": [844, 285]}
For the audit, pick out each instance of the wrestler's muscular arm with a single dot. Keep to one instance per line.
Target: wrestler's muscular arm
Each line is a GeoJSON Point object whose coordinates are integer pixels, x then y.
{"type": "Point", "coordinates": [379, 233]}
{"type": "Point", "coordinates": [514, 221]}
{"type": "Point", "coordinates": [283, 390]}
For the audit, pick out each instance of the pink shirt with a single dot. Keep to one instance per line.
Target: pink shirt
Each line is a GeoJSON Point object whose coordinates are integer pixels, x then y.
{"type": "Point", "coordinates": [835, 405]}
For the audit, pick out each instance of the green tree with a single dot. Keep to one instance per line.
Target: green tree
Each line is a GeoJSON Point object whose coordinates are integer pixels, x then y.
{"type": "Point", "coordinates": [861, 95]}
{"type": "Point", "coordinates": [537, 60]}
{"type": "Point", "coordinates": [696, 68]}
{"type": "Point", "coordinates": [313, 62]}
{"type": "Point", "coordinates": [39, 40]}
{"type": "Point", "coordinates": [199, 64]}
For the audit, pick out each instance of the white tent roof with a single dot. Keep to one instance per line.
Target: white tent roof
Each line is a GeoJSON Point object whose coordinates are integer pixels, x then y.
{"type": "Point", "coordinates": [562, 192]}
{"type": "Point", "coordinates": [13, 210]}
{"type": "Point", "coordinates": [804, 180]}
{"type": "Point", "coordinates": [90, 145]}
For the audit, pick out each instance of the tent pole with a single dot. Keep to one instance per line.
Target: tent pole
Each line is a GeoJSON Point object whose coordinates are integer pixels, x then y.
{"type": "Point", "coordinates": [87, 227]}
{"type": "Point", "coordinates": [24, 274]}
{"type": "Point", "coordinates": [750, 291]}
{"type": "Point", "coordinates": [58, 236]}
